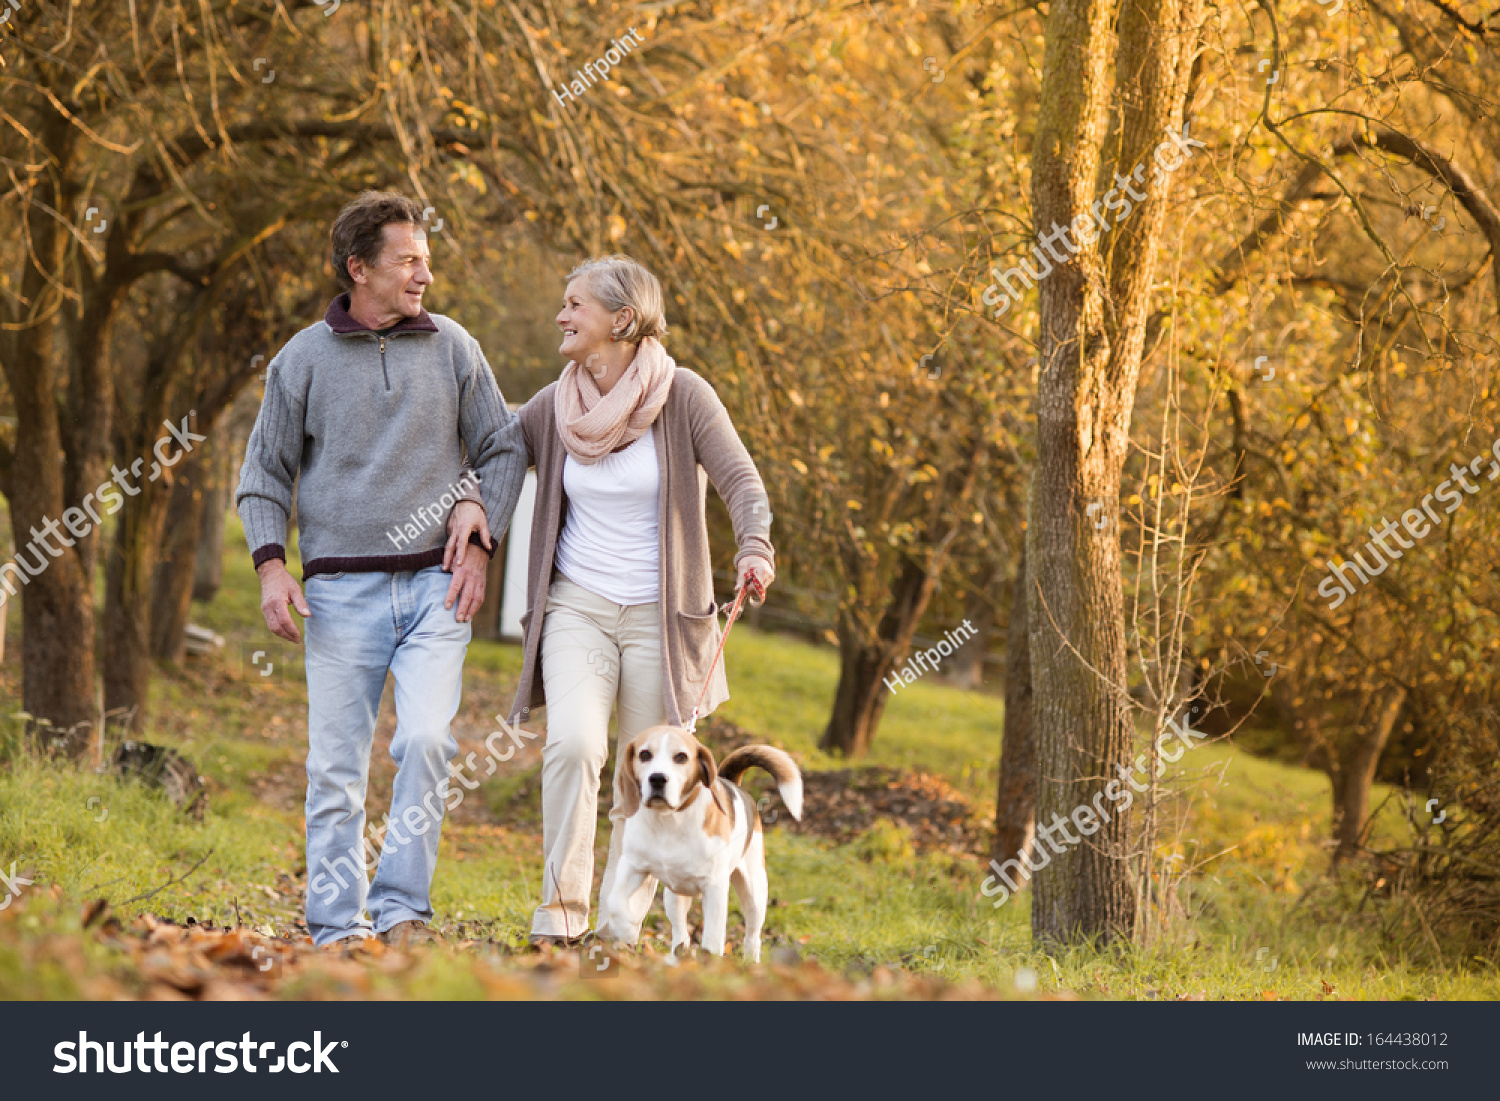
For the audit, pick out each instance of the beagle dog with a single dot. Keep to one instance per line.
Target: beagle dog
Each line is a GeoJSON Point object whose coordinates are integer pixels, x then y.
{"type": "Point", "coordinates": [689, 825]}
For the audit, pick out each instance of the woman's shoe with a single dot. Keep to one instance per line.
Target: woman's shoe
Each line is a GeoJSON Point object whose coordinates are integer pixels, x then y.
{"type": "Point", "coordinates": [540, 941]}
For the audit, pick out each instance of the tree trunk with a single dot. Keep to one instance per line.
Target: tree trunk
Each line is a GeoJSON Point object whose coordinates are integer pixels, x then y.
{"type": "Point", "coordinates": [57, 610]}
{"type": "Point", "coordinates": [1093, 309]}
{"type": "Point", "coordinates": [860, 699]}
{"type": "Point", "coordinates": [1083, 727]}
{"type": "Point", "coordinates": [208, 562]}
{"type": "Point", "coordinates": [864, 664]}
{"type": "Point", "coordinates": [91, 385]}
{"type": "Point", "coordinates": [1015, 803]}
{"type": "Point", "coordinates": [129, 569]}
{"type": "Point", "coordinates": [966, 666]}
{"type": "Point", "coordinates": [1355, 773]}
{"type": "Point", "coordinates": [174, 582]}
{"type": "Point", "coordinates": [487, 619]}
{"type": "Point", "coordinates": [3, 615]}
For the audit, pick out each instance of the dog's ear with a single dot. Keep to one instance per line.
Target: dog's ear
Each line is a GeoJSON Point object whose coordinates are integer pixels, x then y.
{"type": "Point", "coordinates": [708, 775]}
{"type": "Point", "coordinates": [627, 787]}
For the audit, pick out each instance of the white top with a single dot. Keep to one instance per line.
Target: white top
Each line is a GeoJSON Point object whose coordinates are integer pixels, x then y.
{"type": "Point", "coordinates": [610, 542]}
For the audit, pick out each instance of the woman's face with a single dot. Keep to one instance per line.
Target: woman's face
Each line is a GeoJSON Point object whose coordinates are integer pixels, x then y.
{"type": "Point", "coordinates": [585, 323]}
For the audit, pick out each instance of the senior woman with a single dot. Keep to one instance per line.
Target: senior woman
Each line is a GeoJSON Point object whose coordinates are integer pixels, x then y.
{"type": "Point", "coordinates": [619, 583]}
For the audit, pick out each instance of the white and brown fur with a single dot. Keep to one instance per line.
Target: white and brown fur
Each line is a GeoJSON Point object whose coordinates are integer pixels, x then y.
{"type": "Point", "coordinates": [689, 825]}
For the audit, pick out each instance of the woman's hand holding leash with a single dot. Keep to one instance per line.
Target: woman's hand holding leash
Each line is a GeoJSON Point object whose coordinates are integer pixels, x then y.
{"type": "Point", "coordinates": [758, 572]}
{"type": "Point", "coordinates": [750, 585]}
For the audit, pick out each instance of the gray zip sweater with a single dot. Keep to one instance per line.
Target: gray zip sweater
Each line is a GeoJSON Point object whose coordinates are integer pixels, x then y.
{"type": "Point", "coordinates": [376, 427]}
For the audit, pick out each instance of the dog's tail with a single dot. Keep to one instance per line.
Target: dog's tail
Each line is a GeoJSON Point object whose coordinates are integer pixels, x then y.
{"type": "Point", "coordinates": [781, 767]}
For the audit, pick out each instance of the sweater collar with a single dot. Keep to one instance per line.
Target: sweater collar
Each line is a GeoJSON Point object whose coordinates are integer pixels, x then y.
{"type": "Point", "coordinates": [339, 321]}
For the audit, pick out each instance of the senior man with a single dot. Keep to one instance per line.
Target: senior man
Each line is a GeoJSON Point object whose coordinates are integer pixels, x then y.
{"type": "Point", "coordinates": [375, 409]}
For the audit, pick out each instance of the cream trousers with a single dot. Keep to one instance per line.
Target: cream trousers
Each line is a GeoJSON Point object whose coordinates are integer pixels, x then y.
{"type": "Point", "coordinates": [594, 653]}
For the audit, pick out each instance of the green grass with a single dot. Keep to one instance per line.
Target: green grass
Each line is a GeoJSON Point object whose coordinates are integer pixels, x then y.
{"type": "Point", "coordinates": [783, 687]}
{"type": "Point", "coordinates": [94, 835]}
{"type": "Point", "coordinates": [1259, 912]}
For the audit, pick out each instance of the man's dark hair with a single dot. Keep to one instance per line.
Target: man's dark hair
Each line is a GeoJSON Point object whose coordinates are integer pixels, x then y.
{"type": "Point", "coordinates": [356, 231]}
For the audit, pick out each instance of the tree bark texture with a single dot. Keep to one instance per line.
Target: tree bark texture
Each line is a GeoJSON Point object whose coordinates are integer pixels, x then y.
{"type": "Point", "coordinates": [1354, 773]}
{"type": "Point", "coordinates": [208, 562]}
{"type": "Point", "coordinates": [57, 602]}
{"type": "Point", "coordinates": [1093, 312]}
{"type": "Point", "coordinates": [173, 586]}
{"type": "Point", "coordinates": [1015, 803]}
{"type": "Point", "coordinates": [861, 696]}
{"type": "Point", "coordinates": [966, 666]}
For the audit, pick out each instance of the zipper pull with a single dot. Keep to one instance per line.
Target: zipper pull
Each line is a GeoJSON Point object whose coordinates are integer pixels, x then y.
{"type": "Point", "coordinates": [382, 345]}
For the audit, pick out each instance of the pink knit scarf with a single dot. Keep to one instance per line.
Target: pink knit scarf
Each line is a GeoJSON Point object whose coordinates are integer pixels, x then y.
{"type": "Point", "coordinates": [593, 424]}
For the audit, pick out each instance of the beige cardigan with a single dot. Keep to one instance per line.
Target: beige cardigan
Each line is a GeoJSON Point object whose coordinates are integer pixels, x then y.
{"type": "Point", "coordinates": [693, 436]}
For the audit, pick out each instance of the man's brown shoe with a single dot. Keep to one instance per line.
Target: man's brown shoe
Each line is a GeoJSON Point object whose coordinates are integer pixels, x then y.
{"type": "Point", "coordinates": [408, 934]}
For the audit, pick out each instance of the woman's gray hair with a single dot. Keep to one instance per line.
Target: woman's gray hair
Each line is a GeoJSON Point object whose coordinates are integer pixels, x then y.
{"type": "Point", "coordinates": [618, 281]}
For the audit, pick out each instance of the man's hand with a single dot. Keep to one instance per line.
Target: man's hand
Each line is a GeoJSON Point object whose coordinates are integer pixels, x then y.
{"type": "Point", "coordinates": [277, 590]}
{"type": "Point", "coordinates": [761, 569]}
{"type": "Point", "coordinates": [467, 587]}
{"type": "Point", "coordinates": [467, 517]}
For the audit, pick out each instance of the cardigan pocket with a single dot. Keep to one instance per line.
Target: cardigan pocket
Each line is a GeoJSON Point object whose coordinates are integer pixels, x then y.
{"type": "Point", "coordinates": [700, 638]}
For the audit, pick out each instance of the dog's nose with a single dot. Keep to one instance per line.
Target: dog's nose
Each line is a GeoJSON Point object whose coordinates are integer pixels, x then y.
{"type": "Point", "coordinates": [658, 780]}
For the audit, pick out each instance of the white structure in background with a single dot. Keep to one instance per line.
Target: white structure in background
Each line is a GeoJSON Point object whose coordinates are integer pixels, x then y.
{"type": "Point", "coordinates": [200, 640]}
{"type": "Point", "coordinates": [517, 554]}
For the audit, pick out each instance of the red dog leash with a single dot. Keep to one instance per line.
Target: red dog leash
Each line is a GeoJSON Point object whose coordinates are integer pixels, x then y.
{"type": "Point", "coordinates": [734, 611]}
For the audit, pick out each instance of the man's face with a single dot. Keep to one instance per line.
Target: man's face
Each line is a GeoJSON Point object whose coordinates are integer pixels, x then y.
{"type": "Point", "coordinates": [392, 286]}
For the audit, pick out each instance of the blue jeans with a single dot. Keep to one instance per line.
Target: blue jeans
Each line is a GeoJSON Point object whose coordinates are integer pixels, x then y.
{"type": "Point", "coordinates": [363, 625]}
